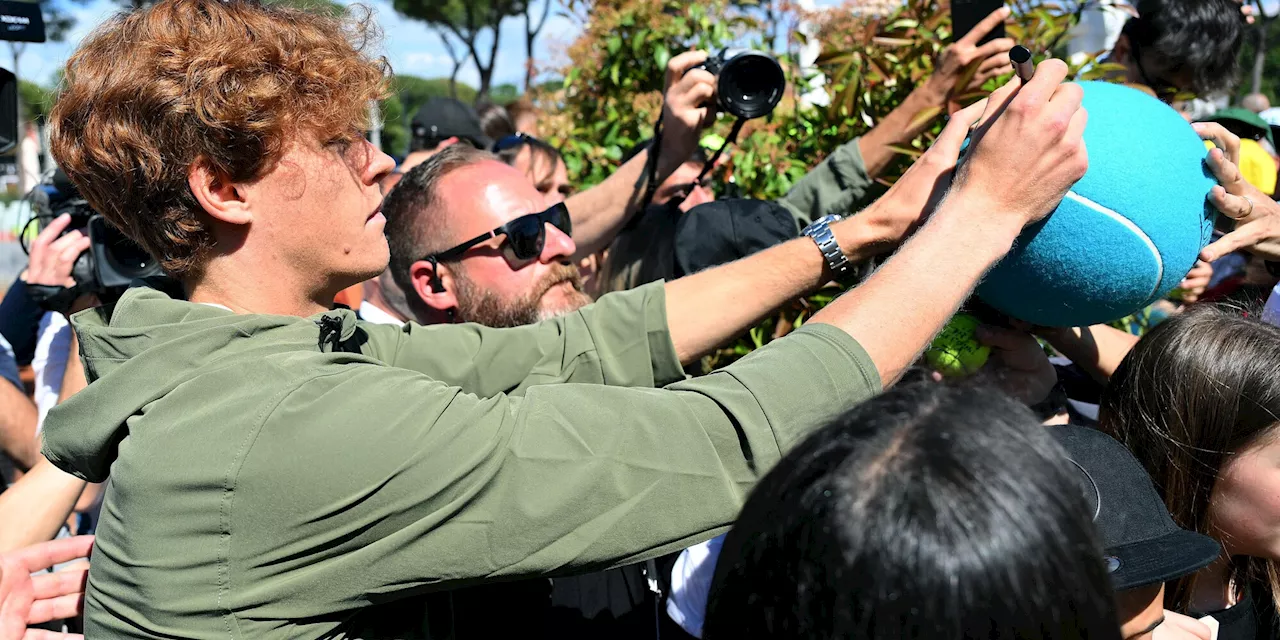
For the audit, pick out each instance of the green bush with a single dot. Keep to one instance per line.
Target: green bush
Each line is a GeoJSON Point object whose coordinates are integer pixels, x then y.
{"type": "Point", "coordinates": [610, 96]}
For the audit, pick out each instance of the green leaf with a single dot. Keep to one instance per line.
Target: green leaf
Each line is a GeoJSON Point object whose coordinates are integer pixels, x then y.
{"type": "Point", "coordinates": [661, 55]}
{"type": "Point", "coordinates": [613, 73]}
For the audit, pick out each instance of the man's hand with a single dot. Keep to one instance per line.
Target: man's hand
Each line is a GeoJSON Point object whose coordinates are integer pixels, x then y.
{"type": "Point", "coordinates": [956, 58]}
{"type": "Point", "coordinates": [25, 600]}
{"type": "Point", "coordinates": [689, 109]}
{"type": "Point", "coordinates": [52, 257]}
{"type": "Point", "coordinates": [1257, 216]}
{"type": "Point", "coordinates": [1028, 150]}
{"type": "Point", "coordinates": [1018, 364]}
{"type": "Point", "coordinates": [883, 225]}
{"type": "Point", "coordinates": [1179, 627]}
{"type": "Point", "coordinates": [1196, 282]}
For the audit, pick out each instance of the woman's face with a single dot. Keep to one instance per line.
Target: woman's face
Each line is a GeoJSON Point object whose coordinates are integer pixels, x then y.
{"type": "Point", "coordinates": [1245, 507]}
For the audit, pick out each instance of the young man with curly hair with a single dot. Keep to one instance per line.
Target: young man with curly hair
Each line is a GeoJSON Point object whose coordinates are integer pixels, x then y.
{"type": "Point", "coordinates": [278, 467]}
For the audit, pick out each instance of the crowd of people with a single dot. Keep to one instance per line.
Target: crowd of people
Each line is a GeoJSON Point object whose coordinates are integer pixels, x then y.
{"type": "Point", "coordinates": [453, 396]}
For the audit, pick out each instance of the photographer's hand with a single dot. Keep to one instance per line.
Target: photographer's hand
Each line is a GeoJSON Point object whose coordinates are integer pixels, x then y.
{"type": "Point", "coordinates": [689, 109]}
{"type": "Point", "coordinates": [600, 212]}
{"type": "Point", "coordinates": [52, 258]}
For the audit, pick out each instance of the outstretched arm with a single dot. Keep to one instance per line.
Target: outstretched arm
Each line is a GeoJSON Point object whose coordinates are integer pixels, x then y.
{"type": "Point", "coordinates": [600, 212]}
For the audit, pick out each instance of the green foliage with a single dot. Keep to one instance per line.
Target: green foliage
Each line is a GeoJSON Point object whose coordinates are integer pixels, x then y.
{"type": "Point", "coordinates": [505, 93]}
{"type": "Point", "coordinates": [1271, 58]}
{"type": "Point", "coordinates": [610, 95]}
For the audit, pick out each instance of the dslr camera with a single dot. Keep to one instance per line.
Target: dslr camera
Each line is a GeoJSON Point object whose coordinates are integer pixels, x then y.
{"type": "Point", "coordinates": [749, 83]}
{"type": "Point", "coordinates": [113, 261]}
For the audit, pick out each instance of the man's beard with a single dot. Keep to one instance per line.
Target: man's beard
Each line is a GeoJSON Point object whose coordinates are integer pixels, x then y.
{"type": "Point", "coordinates": [476, 304]}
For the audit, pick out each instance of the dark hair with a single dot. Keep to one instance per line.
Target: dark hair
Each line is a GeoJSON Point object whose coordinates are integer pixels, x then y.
{"type": "Point", "coordinates": [550, 158]}
{"type": "Point", "coordinates": [227, 85]}
{"type": "Point", "coordinates": [495, 122]}
{"type": "Point", "coordinates": [1200, 38]}
{"type": "Point", "coordinates": [1199, 387]}
{"type": "Point", "coordinates": [408, 206]}
{"type": "Point", "coordinates": [928, 512]}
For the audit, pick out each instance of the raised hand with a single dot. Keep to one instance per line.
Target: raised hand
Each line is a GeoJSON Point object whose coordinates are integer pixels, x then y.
{"type": "Point", "coordinates": [1256, 215]}
{"type": "Point", "coordinates": [956, 58]}
{"type": "Point", "coordinates": [1029, 148]}
{"type": "Point", "coordinates": [907, 203]}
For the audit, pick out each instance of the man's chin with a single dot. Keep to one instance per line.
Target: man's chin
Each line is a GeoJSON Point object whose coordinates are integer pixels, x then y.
{"type": "Point", "coordinates": [559, 304]}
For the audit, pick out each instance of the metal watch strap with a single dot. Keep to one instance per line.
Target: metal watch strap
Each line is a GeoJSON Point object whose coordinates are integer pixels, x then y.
{"type": "Point", "coordinates": [820, 232]}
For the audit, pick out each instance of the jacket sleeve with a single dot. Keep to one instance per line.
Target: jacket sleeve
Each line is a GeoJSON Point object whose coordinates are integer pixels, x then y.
{"type": "Point", "coordinates": [838, 185]}
{"type": "Point", "coordinates": [620, 340]}
{"type": "Point", "coordinates": [419, 486]}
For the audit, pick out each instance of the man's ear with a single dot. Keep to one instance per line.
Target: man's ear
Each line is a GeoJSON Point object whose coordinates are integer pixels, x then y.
{"type": "Point", "coordinates": [436, 294]}
{"type": "Point", "coordinates": [217, 195]}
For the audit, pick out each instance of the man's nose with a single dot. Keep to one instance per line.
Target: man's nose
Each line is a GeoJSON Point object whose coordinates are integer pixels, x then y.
{"type": "Point", "coordinates": [557, 246]}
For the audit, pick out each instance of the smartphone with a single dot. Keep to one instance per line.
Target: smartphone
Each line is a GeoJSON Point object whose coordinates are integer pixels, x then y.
{"type": "Point", "coordinates": [966, 14]}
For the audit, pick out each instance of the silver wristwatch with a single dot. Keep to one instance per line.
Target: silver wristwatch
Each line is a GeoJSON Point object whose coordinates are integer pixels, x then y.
{"type": "Point", "coordinates": [820, 231]}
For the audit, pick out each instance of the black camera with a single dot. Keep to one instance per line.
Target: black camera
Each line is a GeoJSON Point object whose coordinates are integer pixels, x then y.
{"type": "Point", "coordinates": [749, 83]}
{"type": "Point", "coordinates": [113, 261]}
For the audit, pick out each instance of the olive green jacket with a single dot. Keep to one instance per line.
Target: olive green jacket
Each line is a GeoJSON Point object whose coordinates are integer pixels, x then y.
{"type": "Point", "coordinates": [645, 251]}
{"type": "Point", "coordinates": [273, 476]}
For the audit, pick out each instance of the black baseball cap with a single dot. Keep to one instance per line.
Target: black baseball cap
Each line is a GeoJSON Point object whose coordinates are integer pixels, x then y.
{"type": "Point", "coordinates": [722, 231]}
{"type": "Point", "coordinates": [1142, 545]}
{"type": "Point", "coordinates": [445, 118]}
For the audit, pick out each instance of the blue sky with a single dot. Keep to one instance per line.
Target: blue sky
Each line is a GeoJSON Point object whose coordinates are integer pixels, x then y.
{"type": "Point", "coordinates": [412, 47]}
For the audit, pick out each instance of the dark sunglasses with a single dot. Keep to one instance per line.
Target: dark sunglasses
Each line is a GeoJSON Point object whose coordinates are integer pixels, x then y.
{"type": "Point", "coordinates": [512, 141]}
{"type": "Point", "coordinates": [526, 236]}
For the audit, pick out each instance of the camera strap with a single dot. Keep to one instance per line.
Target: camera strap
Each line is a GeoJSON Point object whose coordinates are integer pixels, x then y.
{"type": "Point", "coordinates": [711, 162]}
{"type": "Point", "coordinates": [733, 136]}
{"type": "Point", "coordinates": [651, 163]}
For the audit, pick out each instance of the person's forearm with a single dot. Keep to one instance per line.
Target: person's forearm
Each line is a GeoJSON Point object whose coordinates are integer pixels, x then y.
{"type": "Point", "coordinates": [898, 310]}
{"type": "Point", "coordinates": [896, 129]}
{"type": "Point", "coordinates": [17, 426]}
{"type": "Point", "coordinates": [73, 376]}
{"type": "Point", "coordinates": [708, 308]}
{"type": "Point", "coordinates": [1098, 349]}
{"type": "Point", "coordinates": [600, 212]}
{"type": "Point", "coordinates": [35, 507]}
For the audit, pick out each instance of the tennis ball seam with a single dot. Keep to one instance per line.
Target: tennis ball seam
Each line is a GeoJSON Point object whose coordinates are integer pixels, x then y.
{"type": "Point", "coordinates": [1133, 228]}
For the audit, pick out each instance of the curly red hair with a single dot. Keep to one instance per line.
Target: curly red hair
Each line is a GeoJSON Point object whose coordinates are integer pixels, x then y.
{"type": "Point", "coordinates": [228, 84]}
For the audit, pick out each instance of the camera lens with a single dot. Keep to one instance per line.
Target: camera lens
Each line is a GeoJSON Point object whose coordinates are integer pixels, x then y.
{"type": "Point", "coordinates": [125, 255]}
{"type": "Point", "coordinates": [751, 84]}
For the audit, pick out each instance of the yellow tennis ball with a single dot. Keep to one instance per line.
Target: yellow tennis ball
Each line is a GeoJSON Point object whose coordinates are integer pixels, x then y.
{"type": "Point", "coordinates": [955, 352]}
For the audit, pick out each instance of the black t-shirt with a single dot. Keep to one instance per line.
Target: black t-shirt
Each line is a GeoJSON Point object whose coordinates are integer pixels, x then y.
{"type": "Point", "coordinates": [1253, 618]}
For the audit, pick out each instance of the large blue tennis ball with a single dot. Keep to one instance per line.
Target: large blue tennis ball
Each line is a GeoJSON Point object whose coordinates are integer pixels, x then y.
{"type": "Point", "coordinates": [1126, 233]}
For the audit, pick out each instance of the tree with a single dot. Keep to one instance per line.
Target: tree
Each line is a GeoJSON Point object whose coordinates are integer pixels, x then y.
{"type": "Point", "coordinates": [531, 31]}
{"type": "Point", "coordinates": [1255, 54]}
{"type": "Point", "coordinates": [466, 21]}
